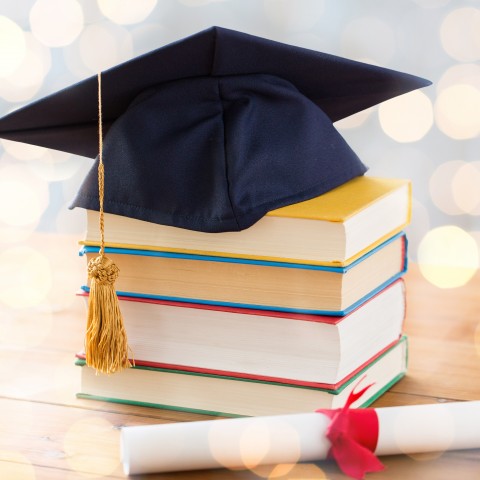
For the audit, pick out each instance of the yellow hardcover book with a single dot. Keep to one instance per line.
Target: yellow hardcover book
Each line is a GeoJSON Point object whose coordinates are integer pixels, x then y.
{"type": "Point", "coordinates": [334, 229]}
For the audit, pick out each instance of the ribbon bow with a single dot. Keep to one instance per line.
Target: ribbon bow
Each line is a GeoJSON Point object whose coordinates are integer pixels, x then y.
{"type": "Point", "coordinates": [353, 434]}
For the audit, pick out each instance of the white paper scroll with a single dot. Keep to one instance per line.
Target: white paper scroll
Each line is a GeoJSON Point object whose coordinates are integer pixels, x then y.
{"type": "Point", "coordinates": [248, 442]}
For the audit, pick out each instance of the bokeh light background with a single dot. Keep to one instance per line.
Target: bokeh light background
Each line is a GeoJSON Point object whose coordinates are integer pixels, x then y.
{"type": "Point", "coordinates": [431, 136]}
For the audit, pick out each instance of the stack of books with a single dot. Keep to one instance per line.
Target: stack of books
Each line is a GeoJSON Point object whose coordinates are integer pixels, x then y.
{"type": "Point", "coordinates": [286, 316]}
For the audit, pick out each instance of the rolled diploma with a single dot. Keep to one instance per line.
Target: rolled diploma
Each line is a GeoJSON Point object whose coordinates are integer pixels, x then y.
{"type": "Point", "coordinates": [243, 442]}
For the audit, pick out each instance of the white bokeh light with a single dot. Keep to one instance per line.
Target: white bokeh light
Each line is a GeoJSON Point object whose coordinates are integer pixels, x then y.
{"type": "Point", "coordinates": [23, 197]}
{"type": "Point", "coordinates": [466, 188]}
{"type": "Point", "coordinates": [55, 166]}
{"type": "Point", "coordinates": [294, 15]}
{"type": "Point", "coordinates": [12, 46]}
{"type": "Point", "coordinates": [354, 121]}
{"type": "Point", "coordinates": [463, 73]}
{"type": "Point", "coordinates": [440, 187]}
{"type": "Point", "coordinates": [116, 47]}
{"type": "Point", "coordinates": [25, 82]}
{"type": "Point", "coordinates": [457, 111]}
{"type": "Point", "coordinates": [22, 151]}
{"type": "Point", "coordinates": [460, 34]}
{"type": "Point", "coordinates": [406, 118]}
{"type": "Point", "coordinates": [56, 23]}
{"type": "Point", "coordinates": [448, 256]}
{"type": "Point", "coordinates": [25, 277]}
{"type": "Point", "coordinates": [126, 12]}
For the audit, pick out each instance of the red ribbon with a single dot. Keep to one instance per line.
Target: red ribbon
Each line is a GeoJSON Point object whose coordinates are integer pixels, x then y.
{"type": "Point", "coordinates": [353, 434]}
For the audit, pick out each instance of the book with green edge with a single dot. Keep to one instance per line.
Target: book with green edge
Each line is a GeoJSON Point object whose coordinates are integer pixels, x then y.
{"type": "Point", "coordinates": [228, 396]}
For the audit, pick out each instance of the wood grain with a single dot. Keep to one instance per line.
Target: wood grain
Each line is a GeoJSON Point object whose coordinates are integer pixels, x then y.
{"type": "Point", "coordinates": [47, 433]}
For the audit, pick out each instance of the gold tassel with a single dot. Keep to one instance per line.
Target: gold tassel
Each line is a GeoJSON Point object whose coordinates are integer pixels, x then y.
{"type": "Point", "coordinates": [106, 345]}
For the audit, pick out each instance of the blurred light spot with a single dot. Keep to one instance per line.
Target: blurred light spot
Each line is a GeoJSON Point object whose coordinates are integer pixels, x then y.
{"type": "Point", "coordinates": [254, 444]}
{"type": "Point", "coordinates": [460, 34]}
{"type": "Point", "coordinates": [406, 118]}
{"type": "Point", "coordinates": [466, 188]}
{"type": "Point", "coordinates": [294, 15]}
{"type": "Point", "coordinates": [448, 257]}
{"type": "Point", "coordinates": [71, 221]}
{"type": "Point", "coordinates": [464, 73]}
{"type": "Point", "coordinates": [19, 204]}
{"type": "Point", "coordinates": [25, 277]}
{"type": "Point", "coordinates": [368, 37]}
{"type": "Point", "coordinates": [55, 166]}
{"type": "Point", "coordinates": [23, 198]}
{"type": "Point", "coordinates": [116, 45]}
{"type": "Point", "coordinates": [126, 12]}
{"type": "Point", "coordinates": [457, 111]}
{"type": "Point", "coordinates": [16, 466]}
{"type": "Point", "coordinates": [438, 422]}
{"type": "Point", "coordinates": [23, 83]}
{"type": "Point", "coordinates": [22, 151]}
{"type": "Point", "coordinates": [199, 3]}
{"type": "Point", "coordinates": [12, 46]}
{"type": "Point", "coordinates": [25, 328]}
{"type": "Point", "coordinates": [56, 23]}
{"type": "Point", "coordinates": [476, 339]}
{"type": "Point", "coordinates": [354, 121]}
{"type": "Point", "coordinates": [91, 445]}
{"type": "Point", "coordinates": [418, 228]}
{"type": "Point", "coordinates": [11, 235]}
{"type": "Point", "coordinates": [431, 3]}
{"type": "Point", "coordinates": [440, 187]}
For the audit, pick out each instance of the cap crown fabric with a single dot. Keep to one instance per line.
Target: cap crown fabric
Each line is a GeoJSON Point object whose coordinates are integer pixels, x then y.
{"type": "Point", "coordinates": [211, 132]}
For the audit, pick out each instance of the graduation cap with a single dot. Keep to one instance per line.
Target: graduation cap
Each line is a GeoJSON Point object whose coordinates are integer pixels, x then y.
{"type": "Point", "coordinates": [213, 131]}
{"type": "Point", "coordinates": [208, 133]}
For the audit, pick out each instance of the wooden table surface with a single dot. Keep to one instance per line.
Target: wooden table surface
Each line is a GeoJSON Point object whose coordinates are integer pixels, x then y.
{"type": "Point", "coordinates": [46, 433]}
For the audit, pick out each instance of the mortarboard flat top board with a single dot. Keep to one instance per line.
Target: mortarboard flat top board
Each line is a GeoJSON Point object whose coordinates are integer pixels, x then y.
{"type": "Point", "coordinates": [211, 132]}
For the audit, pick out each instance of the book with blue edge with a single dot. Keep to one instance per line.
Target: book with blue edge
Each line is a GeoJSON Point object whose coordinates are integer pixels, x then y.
{"type": "Point", "coordinates": [257, 284]}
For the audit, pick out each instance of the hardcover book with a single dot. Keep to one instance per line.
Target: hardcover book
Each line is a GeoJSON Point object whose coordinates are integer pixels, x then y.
{"type": "Point", "coordinates": [229, 396]}
{"type": "Point", "coordinates": [335, 228]}
{"type": "Point", "coordinates": [263, 345]}
{"type": "Point", "coordinates": [257, 284]}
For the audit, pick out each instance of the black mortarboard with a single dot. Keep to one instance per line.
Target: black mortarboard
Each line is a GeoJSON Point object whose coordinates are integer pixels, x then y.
{"type": "Point", "coordinates": [211, 132]}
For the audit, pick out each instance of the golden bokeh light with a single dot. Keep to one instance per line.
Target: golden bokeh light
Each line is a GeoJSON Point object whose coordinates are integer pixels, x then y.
{"type": "Point", "coordinates": [12, 46]}
{"type": "Point", "coordinates": [255, 443]}
{"type": "Point", "coordinates": [406, 118]}
{"type": "Point", "coordinates": [456, 111]}
{"type": "Point", "coordinates": [25, 277]}
{"type": "Point", "coordinates": [92, 447]}
{"type": "Point", "coordinates": [440, 187]}
{"type": "Point", "coordinates": [448, 256]}
{"type": "Point", "coordinates": [45, 24]}
{"type": "Point", "coordinates": [463, 73]}
{"type": "Point", "coordinates": [354, 121]}
{"type": "Point", "coordinates": [293, 16]}
{"type": "Point", "coordinates": [126, 12]}
{"type": "Point", "coordinates": [15, 465]}
{"type": "Point", "coordinates": [466, 188]}
{"type": "Point", "coordinates": [460, 34]}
